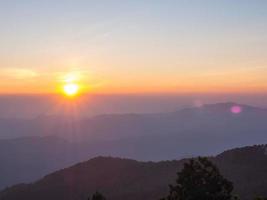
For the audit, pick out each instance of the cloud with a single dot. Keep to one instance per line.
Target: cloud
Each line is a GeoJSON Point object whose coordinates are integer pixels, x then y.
{"type": "Point", "coordinates": [17, 73]}
{"type": "Point", "coordinates": [77, 75]}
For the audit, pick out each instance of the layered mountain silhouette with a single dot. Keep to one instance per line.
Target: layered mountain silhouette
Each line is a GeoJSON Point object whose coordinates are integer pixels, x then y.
{"type": "Point", "coordinates": [125, 179]}
{"type": "Point", "coordinates": [114, 126]}
{"type": "Point", "coordinates": [55, 142]}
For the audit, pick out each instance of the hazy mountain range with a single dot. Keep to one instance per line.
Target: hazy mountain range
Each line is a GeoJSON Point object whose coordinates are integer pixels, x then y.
{"type": "Point", "coordinates": [49, 143]}
{"type": "Point", "coordinates": [31, 106]}
{"type": "Point", "coordinates": [124, 179]}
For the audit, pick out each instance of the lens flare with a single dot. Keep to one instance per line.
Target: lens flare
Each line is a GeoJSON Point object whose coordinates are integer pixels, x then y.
{"type": "Point", "coordinates": [236, 109]}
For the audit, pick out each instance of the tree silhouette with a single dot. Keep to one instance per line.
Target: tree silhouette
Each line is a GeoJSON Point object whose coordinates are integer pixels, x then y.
{"type": "Point", "coordinates": [97, 196]}
{"type": "Point", "coordinates": [200, 179]}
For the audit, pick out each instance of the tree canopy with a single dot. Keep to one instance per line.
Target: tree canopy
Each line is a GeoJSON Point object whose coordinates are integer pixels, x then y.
{"type": "Point", "coordinates": [97, 196]}
{"type": "Point", "coordinates": [200, 179]}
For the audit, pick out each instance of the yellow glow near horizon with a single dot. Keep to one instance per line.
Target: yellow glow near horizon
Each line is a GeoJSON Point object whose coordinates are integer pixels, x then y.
{"type": "Point", "coordinates": [71, 89]}
{"type": "Point", "coordinates": [71, 86]}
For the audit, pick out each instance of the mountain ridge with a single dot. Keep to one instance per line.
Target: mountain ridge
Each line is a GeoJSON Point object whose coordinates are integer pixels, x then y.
{"type": "Point", "coordinates": [129, 179]}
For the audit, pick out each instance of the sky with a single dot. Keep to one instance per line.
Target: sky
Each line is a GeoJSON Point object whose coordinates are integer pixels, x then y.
{"type": "Point", "coordinates": [141, 46]}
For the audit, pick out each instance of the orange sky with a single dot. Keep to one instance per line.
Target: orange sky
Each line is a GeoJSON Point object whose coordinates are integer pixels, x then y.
{"type": "Point", "coordinates": [142, 47]}
{"type": "Point", "coordinates": [240, 81]}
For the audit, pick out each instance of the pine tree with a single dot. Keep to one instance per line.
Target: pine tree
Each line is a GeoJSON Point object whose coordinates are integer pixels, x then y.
{"type": "Point", "coordinates": [200, 179]}
{"type": "Point", "coordinates": [97, 196]}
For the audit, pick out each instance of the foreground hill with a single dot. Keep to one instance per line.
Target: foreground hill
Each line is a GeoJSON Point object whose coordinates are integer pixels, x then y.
{"type": "Point", "coordinates": [124, 179]}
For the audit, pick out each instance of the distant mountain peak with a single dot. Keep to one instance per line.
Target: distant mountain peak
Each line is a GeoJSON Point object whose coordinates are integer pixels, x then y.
{"type": "Point", "coordinates": [228, 106]}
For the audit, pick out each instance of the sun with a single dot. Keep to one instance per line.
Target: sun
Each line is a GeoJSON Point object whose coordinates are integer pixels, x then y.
{"type": "Point", "coordinates": [71, 89]}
